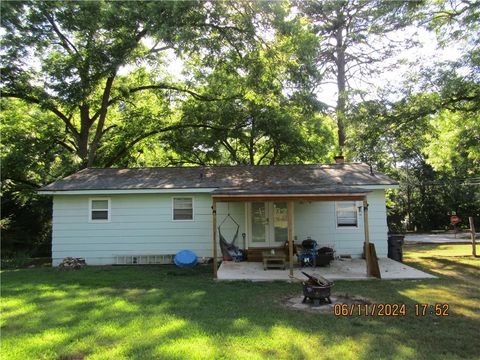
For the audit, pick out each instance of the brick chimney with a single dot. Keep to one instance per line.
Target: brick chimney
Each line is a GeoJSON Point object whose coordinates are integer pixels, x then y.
{"type": "Point", "coordinates": [340, 159]}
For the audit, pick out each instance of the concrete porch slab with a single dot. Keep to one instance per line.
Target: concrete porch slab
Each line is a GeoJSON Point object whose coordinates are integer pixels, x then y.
{"type": "Point", "coordinates": [345, 269]}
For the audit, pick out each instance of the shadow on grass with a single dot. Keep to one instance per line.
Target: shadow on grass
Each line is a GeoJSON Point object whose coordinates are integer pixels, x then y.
{"type": "Point", "coordinates": [165, 312]}
{"type": "Point", "coordinates": [439, 250]}
{"type": "Point", "coordinates": [460, 268]}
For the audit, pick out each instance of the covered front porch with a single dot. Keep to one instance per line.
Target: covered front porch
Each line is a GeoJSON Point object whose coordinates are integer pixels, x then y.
{"type": "Point", "coordinates": [288, 197]}
{"type": "Point", "coordinates": [347, 269]}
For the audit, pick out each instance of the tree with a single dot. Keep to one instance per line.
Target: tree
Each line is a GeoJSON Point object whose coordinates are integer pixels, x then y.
{"type": "Point", "coordinates": [30, 156]}
{"type": "Point", "coordinates": [270, 114]}
{"type": "Point", "coordinates": [454, 144]}
{"type": "Point", "coordinates": [429, 138]}
{"type": "Point", "coordinates": [69, 59]}
{"type": "Point", "coordinates": [354, 43]}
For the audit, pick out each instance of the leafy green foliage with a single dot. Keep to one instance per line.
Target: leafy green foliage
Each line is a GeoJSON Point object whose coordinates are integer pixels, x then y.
{"type": "Point", "coordinates": [67, 57]}
{"type": "Point", "coordinates": [433, 153]}
{"type": "Point", "coordinates": [32, 154]}
{"type": "Point", "coordinates": [266, 113]}
{"type": "Point", "coordinates": [454, 143]}
{"type": "Point", "coordinates": [429, 140]}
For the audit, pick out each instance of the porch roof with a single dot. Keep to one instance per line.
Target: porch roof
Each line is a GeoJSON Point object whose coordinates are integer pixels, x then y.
{"type": "Point", "coordinates": [307, 193]}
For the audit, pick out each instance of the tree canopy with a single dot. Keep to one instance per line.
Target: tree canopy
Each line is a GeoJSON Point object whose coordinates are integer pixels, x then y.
{"type": "Point", "coordinates": [429, 137]}
{"type": "Point", "coordinates": [70, 58]}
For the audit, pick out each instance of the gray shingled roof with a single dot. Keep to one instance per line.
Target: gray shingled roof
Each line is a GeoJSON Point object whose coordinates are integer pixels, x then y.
{"type": "Point", "coordinates": [222, 177]}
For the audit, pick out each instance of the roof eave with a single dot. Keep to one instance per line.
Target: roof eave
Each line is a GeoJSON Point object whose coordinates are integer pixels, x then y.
{"type": "Point", "coordinates": [378, 186]}
{"type": "Point", "coordinates": [124, 191]}
{"type": "Point", "coordinates": [289, 197]}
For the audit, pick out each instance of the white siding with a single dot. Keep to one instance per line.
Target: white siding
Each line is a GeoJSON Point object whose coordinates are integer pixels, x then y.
{"type": "Point", "coordinates": [142, 225]}
{"type": "Point", "coordinates": [318, 220]}
{"type": "Point", "coordinates": [377, 222]}
{"type": "Point", "coordinates": [139, 225]}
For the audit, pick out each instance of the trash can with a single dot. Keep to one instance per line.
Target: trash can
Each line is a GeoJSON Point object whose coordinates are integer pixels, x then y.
{"type": "Point", "coordinates": [395, 244]}
{"type": "Point", "coordinates": [324, 256]}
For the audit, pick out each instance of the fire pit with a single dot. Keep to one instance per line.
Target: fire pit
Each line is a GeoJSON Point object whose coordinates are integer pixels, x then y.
{"type": "Point", "coordinates": [316, 290]}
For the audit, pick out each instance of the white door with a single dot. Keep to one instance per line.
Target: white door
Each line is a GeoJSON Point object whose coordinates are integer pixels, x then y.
{"type": "Point", "coordinates": [268, 224]}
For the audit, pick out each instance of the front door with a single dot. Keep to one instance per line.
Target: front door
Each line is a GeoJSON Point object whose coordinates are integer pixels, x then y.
{"type": "Point", "coordinates": [268, 224]}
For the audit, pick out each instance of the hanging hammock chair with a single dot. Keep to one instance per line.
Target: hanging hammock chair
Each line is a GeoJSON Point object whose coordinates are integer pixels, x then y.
{"type": "Point", "coordinates": [229, 250]}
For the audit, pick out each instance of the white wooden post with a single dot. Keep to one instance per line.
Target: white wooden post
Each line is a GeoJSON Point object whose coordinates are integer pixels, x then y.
{"type": "Point", "coordinates": [290, 235]}
{"type": "Point", "coordinates": [366, 249]}
{"type": "Point", "coordinates": [472, 232]}
{"type": "Point", "coordinates": [214, 226]}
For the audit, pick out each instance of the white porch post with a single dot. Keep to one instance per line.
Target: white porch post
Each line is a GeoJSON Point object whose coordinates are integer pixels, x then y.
{"type": "Point", "coordinates": [290, 235]}
{"type": "Point", "coordinates": [366, 249]}
{"type": "Point", "coordinates": [214, 226]}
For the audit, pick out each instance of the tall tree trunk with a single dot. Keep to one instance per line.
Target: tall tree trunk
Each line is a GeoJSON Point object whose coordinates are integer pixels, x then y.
{"type": "Point", "coordinates": [341, 86]}
{"type": "Point", "coordinates": [251, 148]}
{"type": "Point", "coordinates": [85, 126]}
{"type": "Point", "coordinates": [92, 153]}
{"type": "Point", "coordinates": [273, 161]}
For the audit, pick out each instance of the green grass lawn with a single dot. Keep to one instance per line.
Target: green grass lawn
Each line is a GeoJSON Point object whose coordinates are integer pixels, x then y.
{"type": "Point", "coordinates": [168, 313]}
{"type": "Point", "coordinates": [439, 250]}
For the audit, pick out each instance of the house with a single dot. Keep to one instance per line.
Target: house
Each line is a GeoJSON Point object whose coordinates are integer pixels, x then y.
{"type": "Point", "coordinates": [110, 215]}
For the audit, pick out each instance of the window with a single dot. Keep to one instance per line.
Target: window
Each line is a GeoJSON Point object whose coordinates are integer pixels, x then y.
{"type": "Point", "coordinates": [183, 208]}
{"type": "Point", "coordinates": [99, 210]}
{"type": "Point", "coordinates": [347, 214]}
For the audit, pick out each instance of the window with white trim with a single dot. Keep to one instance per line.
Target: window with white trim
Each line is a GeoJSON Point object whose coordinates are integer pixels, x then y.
{"type": "Point", "coordinates": [99, 210]}
{"type": "Point", "coordinates": [346, 214]}
{"type": "Point", "coordinates": [182, 208]}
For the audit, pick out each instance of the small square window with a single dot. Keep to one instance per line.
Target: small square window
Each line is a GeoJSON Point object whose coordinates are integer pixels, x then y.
{"type": "Point", "coordinates": [347, 214]}
{"type": "Point", "coordinates": [183, 208]}
{"type": "Point", "coordinates": [99, 209]}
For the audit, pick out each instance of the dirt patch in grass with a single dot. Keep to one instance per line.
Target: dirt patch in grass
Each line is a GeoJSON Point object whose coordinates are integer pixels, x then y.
{"type": "Point", "coordinates": [72, 357]}
{"type": "Point", "coordinates": [296, 303]}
